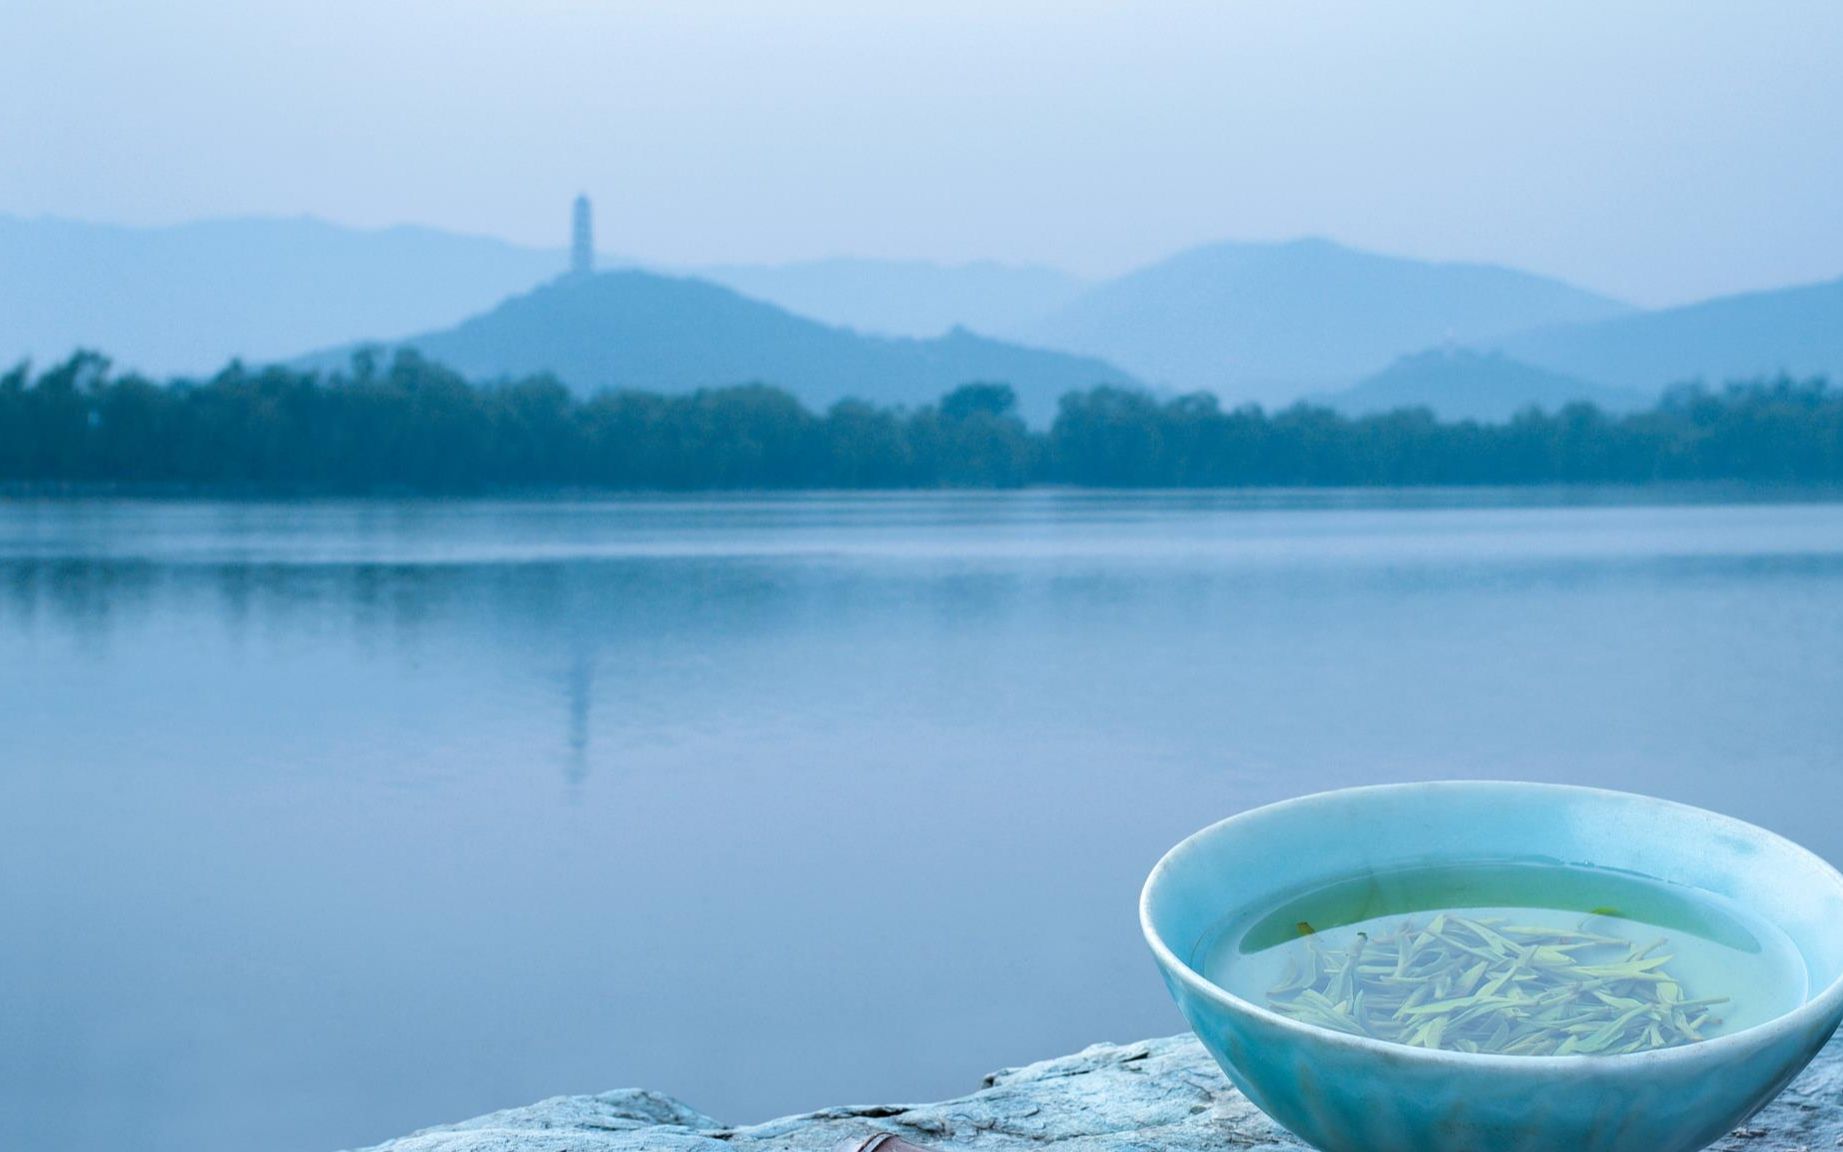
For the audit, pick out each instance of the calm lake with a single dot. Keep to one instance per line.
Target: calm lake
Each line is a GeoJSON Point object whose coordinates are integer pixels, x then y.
{"type": "Point", "coordinates": [322, 822]}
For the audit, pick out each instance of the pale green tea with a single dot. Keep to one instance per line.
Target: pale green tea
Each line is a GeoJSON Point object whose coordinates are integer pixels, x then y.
{"type": "Point", "coordinates": [1511, 958]}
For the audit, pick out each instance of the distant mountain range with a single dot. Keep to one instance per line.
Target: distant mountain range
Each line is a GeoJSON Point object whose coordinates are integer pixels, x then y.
{"type": "Point", "coordinates": [183, 300]}
{"type": "Point", "coordinates": [634, 329]}
{"type": "Point", "coordinates": [1463, 384]}
{"type": "Point", "coordinates": [1271, 322]}
{"type": "Point", "coordinates": [1794, 330]}
{"type": "Point", "coordinates": [905, 297]}
{"type": "Point", "coordinates": [1264, 322]}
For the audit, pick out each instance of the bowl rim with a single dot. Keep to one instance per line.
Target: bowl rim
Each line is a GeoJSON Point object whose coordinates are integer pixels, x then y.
{"type": "Point", "coordinates": [1816, 1006]}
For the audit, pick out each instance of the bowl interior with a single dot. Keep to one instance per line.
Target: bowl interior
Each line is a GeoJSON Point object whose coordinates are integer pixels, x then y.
{"type": "Point", "coordinates": [1261, 856]}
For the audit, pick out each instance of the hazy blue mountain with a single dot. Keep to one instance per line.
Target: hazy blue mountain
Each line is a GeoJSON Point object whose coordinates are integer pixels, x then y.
{"type": "Point", "coordinates": [1463, 384]}
{"type": "Point", "coordinates": [632, 329]}
{"type": "Point", "coordinates": [905, 297]}
{"type": "Point", "coordinates": [1796, 330]}
{"type": "Point", "coordinates": [187, 298]}
{"type": "Point", "coordinates": [1272, 322]}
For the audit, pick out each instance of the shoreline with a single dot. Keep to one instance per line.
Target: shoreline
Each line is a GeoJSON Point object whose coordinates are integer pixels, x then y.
{"type": "Point", "coordinates": [1544, 492]}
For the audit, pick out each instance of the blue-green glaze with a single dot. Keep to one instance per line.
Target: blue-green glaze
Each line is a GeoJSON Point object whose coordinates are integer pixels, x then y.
{"type": "Point", "coordinates": [1346, 1093]}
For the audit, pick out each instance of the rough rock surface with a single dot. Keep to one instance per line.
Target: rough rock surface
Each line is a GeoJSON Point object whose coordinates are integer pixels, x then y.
{"type": "Point", "coordinates": [1160, 1094]}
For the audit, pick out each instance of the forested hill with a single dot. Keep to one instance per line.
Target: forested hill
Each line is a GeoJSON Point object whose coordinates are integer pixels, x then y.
{"type": "Point", "coordinates": [1461, 384]}
{"type": "Point", "coordinates": [635, 329]}
{"type": "Point", "coordinates": [416, 427]}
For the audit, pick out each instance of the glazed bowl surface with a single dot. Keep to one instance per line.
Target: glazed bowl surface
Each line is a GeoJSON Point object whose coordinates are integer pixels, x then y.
{"type": "Point", "coordinates": [1347, 1093]}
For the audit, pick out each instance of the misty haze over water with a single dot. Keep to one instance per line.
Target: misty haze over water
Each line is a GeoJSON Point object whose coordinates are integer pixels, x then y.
{"type": "Point", "coordinates": [326, 821]}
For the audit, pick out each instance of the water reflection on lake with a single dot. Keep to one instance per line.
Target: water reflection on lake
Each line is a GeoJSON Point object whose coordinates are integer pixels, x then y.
{"type": "Point", "coordinates": [322, 822]}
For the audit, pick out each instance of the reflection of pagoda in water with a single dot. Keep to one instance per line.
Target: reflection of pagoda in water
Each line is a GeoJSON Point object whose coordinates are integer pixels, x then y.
{"type": "Point", "coordinates": [580, 688]}
{"type": "Point", "coordinates": [581, 677]}
{"type": "Point", "coordinates": [582, 239]}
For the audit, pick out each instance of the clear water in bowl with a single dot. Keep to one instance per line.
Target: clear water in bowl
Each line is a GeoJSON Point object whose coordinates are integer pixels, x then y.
{"type": "Point", "coordinates": [1519, 958]}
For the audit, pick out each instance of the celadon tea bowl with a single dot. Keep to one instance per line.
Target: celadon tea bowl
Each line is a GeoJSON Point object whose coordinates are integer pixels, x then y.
{"type": "Point", "coordinates": [1348, 1093]}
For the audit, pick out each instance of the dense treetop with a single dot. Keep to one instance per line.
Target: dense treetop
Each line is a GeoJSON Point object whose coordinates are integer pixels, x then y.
{"type": "Point", "coordinates": [415, 426]}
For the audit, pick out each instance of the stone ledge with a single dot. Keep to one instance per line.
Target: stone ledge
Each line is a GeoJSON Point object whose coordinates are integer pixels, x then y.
{"type": "Point", "coordinates": [1158, 1094]}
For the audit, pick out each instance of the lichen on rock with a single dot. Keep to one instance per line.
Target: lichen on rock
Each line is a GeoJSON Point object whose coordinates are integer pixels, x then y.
{"type": "Point", "coordinates": [1165, 1094]}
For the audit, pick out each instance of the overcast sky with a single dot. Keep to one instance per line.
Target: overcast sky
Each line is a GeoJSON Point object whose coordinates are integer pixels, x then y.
{"type": "Point", "coordinates": [1661, 151]}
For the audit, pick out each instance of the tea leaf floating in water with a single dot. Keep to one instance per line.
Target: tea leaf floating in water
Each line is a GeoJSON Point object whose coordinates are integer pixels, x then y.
{"type": "Point", "coordinates": [1488, 985]}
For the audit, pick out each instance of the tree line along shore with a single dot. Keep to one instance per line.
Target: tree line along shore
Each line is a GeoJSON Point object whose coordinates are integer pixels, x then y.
{"type": "Point", "coordinates": [414, 426]}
